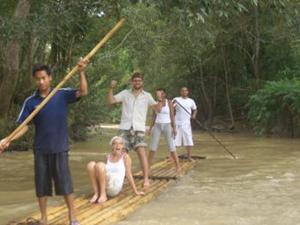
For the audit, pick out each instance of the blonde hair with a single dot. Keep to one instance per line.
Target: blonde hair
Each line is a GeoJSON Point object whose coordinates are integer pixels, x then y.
{"type": "Point", "coordinates": [116, 138]}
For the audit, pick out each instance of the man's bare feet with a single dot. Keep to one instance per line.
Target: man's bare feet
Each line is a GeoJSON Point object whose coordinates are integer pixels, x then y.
{"type": "Point", "coordinates": [102, 199]}
{"type": "Point", "coordinates": [94, 198]}
{"type": "Point", "coordinates": [146, 184]}
{"type": "Point", "coordinates": [191, 159]}
{"type": "Point", "coordinates": [36, 222]}
{"type": "Point", "coordinates": [178, 171]}
{"type": "Point", "coordinates": [43, 221]}
{"type": "Point", "coordinates": [170, 159]}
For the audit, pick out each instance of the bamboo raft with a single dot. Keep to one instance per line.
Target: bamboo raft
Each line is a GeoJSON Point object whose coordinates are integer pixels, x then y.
{"type": "Point", "coordinates": [119, 207]}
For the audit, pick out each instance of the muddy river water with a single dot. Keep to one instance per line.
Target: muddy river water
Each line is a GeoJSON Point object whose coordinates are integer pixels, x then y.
{"type": "Point", "coordinates": [261, 187]}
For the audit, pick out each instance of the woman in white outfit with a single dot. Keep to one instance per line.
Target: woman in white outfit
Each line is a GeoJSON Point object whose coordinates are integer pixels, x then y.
{"type": "Point", "coordinates": [107, 179]}
{"type": "Point", "coordinates": [163, 123]}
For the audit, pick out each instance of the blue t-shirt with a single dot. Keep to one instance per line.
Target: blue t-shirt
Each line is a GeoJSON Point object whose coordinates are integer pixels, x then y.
{"type": "Point", "coordinates": [51, 126]}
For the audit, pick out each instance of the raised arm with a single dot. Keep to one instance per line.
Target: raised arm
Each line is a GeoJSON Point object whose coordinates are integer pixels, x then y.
{"type": "Point", "coordinates": [127, 161]}
{"type": "Point", "coordinates": [4, 143]}
{"type": "Point", "coordinates": [157, 106]}
{"type": "Point", "coordinates": [110, 95]}
{"type": "Point", "coordinates": [83, 86]}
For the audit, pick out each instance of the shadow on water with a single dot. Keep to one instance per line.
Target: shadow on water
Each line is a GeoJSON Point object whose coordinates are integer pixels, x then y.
{"type": "Point", "coordinates": [260, 187]}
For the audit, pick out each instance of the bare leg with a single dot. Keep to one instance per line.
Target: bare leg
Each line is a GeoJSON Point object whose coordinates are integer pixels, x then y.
{"type": "Point", "coordinates": [144, 165]}
{"type": "Point", "coordinates": [176, 160]}
{"type": "Point", "coordinates": [101, 174]}
{"type": "Point", "coordinates": [150, 159]}
{"type": "Point", "coordinates": [91, 169]}
{"type": "Point", "coordinates": [70, 204]}
{"type": "Point", "coordinates": [170, 159]}
{"type": "Point", "coordinates": [43, 209]}
{"type": "Point", "coordinates": [189, 153]}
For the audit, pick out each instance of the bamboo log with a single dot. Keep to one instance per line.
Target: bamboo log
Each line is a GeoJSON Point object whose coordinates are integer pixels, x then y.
{"type": "Point", "coordinates": [86, 205]}
{"type": "Point", "coordinates": [120, 206]}
{"type": "Point", "coordinates": [86, 208]}
{"type": "Point", "coordinates": [121, 211]}
{"type": "Point", "coordinates": [66, 78]}
{"type": "Point", "coordinates": [102, 213]}
{"type": "Point", "coordinates": [107, 209]}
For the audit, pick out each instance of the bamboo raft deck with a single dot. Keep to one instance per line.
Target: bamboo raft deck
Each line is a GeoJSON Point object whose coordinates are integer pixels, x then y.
{"type": "Point", "coordinates": [119, 207]}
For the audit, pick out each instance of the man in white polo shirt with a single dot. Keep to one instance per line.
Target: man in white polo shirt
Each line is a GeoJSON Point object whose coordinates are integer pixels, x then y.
{"type": "Point", "coordinates": [185, 110]}
{"type": "Point", "coordinates": [135, 104]}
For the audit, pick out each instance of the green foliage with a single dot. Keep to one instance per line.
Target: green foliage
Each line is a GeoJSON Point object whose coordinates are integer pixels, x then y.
{"type": "Point", "coordinates": [174, 43]}
{"type": "Point", "coordinates": [277, 104]}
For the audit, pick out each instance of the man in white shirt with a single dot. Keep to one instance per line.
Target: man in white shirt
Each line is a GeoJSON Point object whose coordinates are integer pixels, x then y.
{"type": "Point", "coordinates": [135, 104]}
{"type": "Point", "coordinates": [185, 110]}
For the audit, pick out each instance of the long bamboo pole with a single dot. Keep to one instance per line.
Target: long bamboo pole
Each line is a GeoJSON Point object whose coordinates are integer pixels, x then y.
{"type": "Point", "coordinates": [208, 131]}
{"type": "Point", "coordinates": [66, 78]}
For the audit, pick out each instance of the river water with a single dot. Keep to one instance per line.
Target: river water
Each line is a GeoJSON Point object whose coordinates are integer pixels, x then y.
{"type": "Point", "coordinates": [261, 187]}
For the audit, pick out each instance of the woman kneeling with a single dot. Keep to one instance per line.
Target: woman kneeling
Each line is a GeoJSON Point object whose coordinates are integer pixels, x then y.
{"type": "Point", "coordinates": [107, 179]}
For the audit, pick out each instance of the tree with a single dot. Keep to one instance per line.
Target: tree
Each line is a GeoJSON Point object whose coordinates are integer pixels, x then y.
{"type": "Point", "coordinates": [11, 58]}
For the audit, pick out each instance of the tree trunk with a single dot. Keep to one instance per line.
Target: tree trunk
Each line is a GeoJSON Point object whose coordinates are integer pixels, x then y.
{"type": "Point", "coordinates": [256, 48]}
{"type": "Point", "coordinates": [10, 70]}
{"type": "Point", "coordinates": [26, 64]}
{"type": "Point", "coordinates": [292, 124]}
{"type": "Point", "coordinates": [214, 99]}
{"type": "Point", "coordinates": [227, 90]}
{"type": "Point", "coordinates": [206, 98]}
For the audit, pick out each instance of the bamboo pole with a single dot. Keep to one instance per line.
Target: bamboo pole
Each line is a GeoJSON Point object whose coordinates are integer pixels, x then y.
{"type": "Point", "coordinates": [108, 212]}
{"type": "Point", "coordinates": [87, 212]}
{"type": "Point", "coordinates": [66, 78]}
{"type": "Point", "coordinates": [121, 212]}
{"type": "Point", "coordinates": [87, 206]}
{"type": "Point", "coordinates": [120, 206]}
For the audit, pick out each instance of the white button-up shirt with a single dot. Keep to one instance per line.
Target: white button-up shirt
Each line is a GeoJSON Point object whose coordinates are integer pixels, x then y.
{"type": "Point", "coordinates": [134, 109]}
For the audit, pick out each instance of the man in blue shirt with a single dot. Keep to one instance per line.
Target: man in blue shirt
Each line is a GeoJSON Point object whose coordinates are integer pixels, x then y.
{"type": "Point", "coordinates": [51, 145]}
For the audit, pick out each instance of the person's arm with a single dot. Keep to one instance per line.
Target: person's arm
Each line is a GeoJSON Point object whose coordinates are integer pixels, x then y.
{"type": "Point", "coordinates": [152, 120]}
{"type": "Point", "coordinates": [4, 143]}
{"type": "Point", "coordinates": [174, 102]}
{"type": "Point", "coordinates": [194, 110]}
{"type": "Point", "coordinates": [194, 114]}
{"type": "Point", "coordinates": [172, 117]}
{"type": "Point", "coordinates": [83, 86]}
{"type": "Point", "coordinates": [110, 95]}
{"type": "Point", "coordinates": [127, 161]}
{"type": "Point", "coordinates": [156, 106]}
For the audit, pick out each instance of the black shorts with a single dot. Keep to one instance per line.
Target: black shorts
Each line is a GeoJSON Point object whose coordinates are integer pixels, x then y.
{"type": "Point", "coordinates": [52, 167]}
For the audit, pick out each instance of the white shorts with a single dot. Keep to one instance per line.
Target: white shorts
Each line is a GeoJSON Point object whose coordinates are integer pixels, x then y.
{"type": "Point", "coordinates": [184, 135]}
{"type": "Point", "coordinates": [114, 184]}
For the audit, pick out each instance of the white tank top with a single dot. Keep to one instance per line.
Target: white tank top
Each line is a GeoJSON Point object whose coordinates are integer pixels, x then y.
{"type": "Point", "coordinates": [164, 115]}
{"type": "Point", "coordinates": [117, 168]}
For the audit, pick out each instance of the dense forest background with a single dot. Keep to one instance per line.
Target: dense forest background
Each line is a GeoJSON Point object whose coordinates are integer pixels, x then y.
{"type": "Point", "coordinates": [240, 59]}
